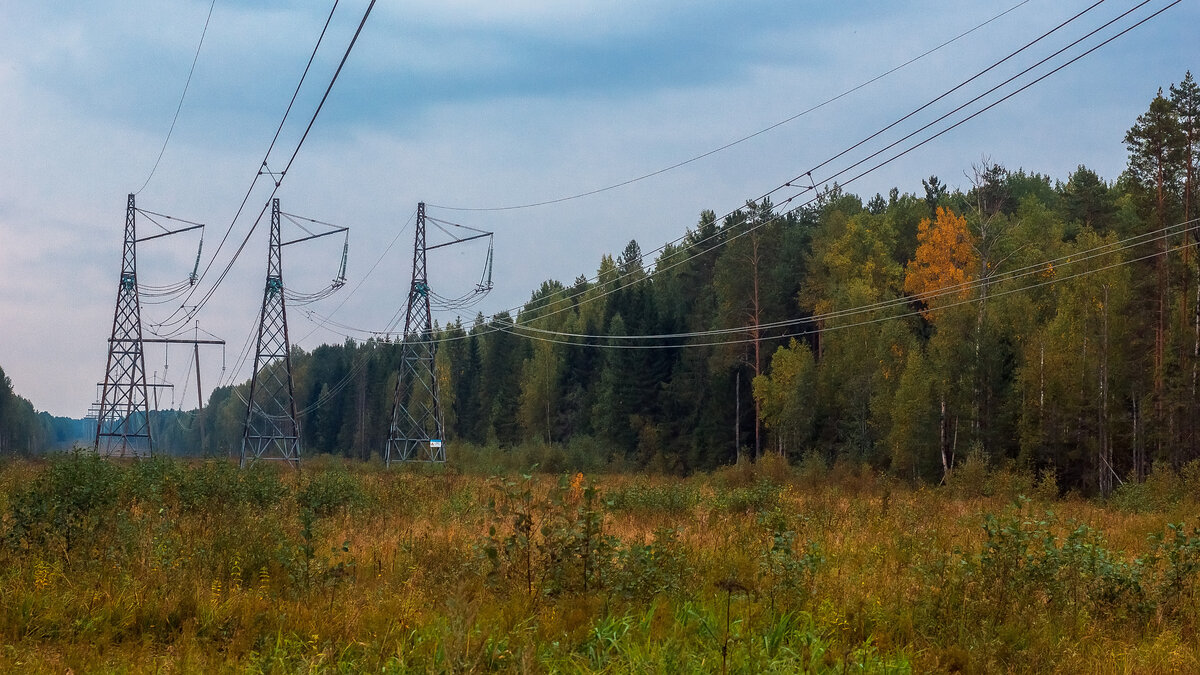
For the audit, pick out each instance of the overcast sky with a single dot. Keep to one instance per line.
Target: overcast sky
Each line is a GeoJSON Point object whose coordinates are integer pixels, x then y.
{"type": "Point", "coordinates": [478, 103]}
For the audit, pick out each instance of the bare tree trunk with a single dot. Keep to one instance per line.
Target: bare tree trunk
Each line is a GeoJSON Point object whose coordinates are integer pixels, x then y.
{"type": "Point", "coordinates": [1083, 378]}
{"type": "Point", "coordinates": [1041, 378]}
{"type": "Point", "coordinates": [1195, 373]}
{"type": "Point", "coordinates": [754, 242]}
{"type": "Point", "coordinates": [361, 432]}
{"type": "Point", "coordinates": [1137, 440]}
{"type": "Point", "coordinates": [942, 443]}
{"type": "Point", "coordinates": [977, 381]}
{"type": "Point", "coordinates": [1105, 464]}
{"type": "Point", "coordinates": [737, 420]}
{"type": "Point", "coordinates": [1160, 328]}
{"type": "Point", "coordinates": [1182, 438]}
{"type": "Point", "coordinates": [954, 442]}
{"type": "Point", "coordinates": [1189, 409]}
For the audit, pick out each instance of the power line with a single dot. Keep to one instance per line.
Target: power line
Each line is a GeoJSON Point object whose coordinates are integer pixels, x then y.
{"type": "Point", "coordinates": [854, 311]}
{"type": "Point", "coordinates": [312, 120]}
{"type": "Point", "coordinates": [1073, 258]}
{"type": "Point", "coordinates": [992, 90]}
{"type": "Point", "coordinates": [825, 329]}
{"type": "Point", "coordinates": [182, 96]}
{"type": "Point", "coordinates": [943, 131]}
{"type": "Point", "coordinates": [1040, 267]}
{"type": "Point", "coordinates": [454, 304]}
{"type": "Point", "coordinates": [325, 321]}
{"type": "Point", "coordinates": [791, 182]}
{"type": "Point", "coordinates": [576, 299]}
{"type": "Point", "coordinates": [246, 198]}
{"type": "Point", "coordinates": [745, 138]}
{"type": "Point", "coordinates": [724, 237]}
{"type": "Point", "coordinates": [345, 298]}
{"type": "Point", "coordinates": [959, 86]}
{"type": "Point", "coordinates": [243, 354]}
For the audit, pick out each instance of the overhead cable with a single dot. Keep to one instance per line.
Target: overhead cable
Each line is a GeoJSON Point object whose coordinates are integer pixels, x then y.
{"type": "Point", "coordinates": [517, 331]}
{"type": "Point", "coordinates": [725, 237]}
{"type": "Point", "coordinates": [743, 139]}
{"type": "Point", "coordinates": [792, 181]}
{"type": "Point", "coordinates": [187, 83]}
{"type": "Point", "coordinates": [169, 321]}
{"type": "Point", "coordinates": [312, 120]}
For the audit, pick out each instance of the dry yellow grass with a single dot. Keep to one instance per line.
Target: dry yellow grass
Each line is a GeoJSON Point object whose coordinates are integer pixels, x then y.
{"type": "Point", "coordinates": [187, 568]}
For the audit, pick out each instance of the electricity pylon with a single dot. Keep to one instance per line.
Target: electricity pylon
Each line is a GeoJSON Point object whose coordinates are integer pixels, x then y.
{"type": "Point", "coordinates": [416, 432]}
{"type": "Point", "coordinates": [123, 413]}
{"type": "Point", "coordinates": [271, 430]}
{"type": "Point", "coordinates": [123, 419]}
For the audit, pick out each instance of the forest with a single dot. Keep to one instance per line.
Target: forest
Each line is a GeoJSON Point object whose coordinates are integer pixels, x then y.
{"type": "Point", "coordinates": [1051, 324]}
{"type": "Point", "coordinates": [25, 431]}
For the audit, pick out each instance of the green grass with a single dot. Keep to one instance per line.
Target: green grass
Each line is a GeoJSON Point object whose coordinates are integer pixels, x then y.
{"type": "Point", "coordinates": [166, 566]}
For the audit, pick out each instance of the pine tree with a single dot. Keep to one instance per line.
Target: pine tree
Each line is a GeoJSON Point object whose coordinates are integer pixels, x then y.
{"type": "Point", "coordinates": [1088, 200]}
{"type": "Point", "coordinates": [1186, 99]}
{"type": "Point", "coordinates": [1155, 144]}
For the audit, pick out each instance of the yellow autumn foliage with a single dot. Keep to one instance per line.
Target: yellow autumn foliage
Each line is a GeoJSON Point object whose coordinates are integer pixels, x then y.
{"type": "Point", "coordinates": [944, 263]}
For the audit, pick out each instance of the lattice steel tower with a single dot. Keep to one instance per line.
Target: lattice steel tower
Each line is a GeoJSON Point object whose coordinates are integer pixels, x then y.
{"type": "Point", "coordinates": [417, 429]}
{"type": "Point", "coordinates": [272, 431]}
{"type": "Point", "coordinates": [123, 421]}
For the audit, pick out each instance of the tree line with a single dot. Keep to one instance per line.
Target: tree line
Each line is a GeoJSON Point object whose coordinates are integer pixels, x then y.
{"type": "Point", "coordinates": [24, 430]}
{"type": "Point", "coordinates": [1054, 324]}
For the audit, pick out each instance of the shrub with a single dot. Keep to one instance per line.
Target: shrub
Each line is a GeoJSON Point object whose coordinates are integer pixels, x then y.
{"type": "Point", "coordinates": [550, 544]}
{"type": "Point", "coordinates": [774, 467]}
{"type": "Point", "coordinates": [329, 492]}
{"type": "Point", "coordinates": [645, 570]}
{"type": "Point", "coordinates": [1023, 564]}
{"type": "Point", "coordinates": [1046, 490]}
{"type": "Point", "coordinates": [971, 479]}
{"type": "Point", "coordinates": [216, 486]}
{"type": "Point", "coordinates": [673, 498]}
{"type": "Point", "coordinates": [585, 454]}
{"type": "Point", "coordinates": [813, 470]}
{"type": "Point", "coordinates": [1161, 490]}
{"type": "Point", "coordinates": [67, 505]}
{"type": "Point", "coordinates": [509, 545]}
{"type": "Point", "coordinates": [762, 496]}
{"type": "Point", "coordinates": [786, 573]}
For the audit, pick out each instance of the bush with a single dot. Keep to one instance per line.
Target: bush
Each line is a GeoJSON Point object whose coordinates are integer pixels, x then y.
{"type": "Point", "coordinates": [644, 497]}
{"type": "Point", "coordinates": [646, 570]}
{"type": "Point", "coordinates": [786, 574]}
{"type": "Point", "coordinates": [1009, 481]}
{"type": "Point", "coordinates": [813, 470]}
{"type": "Point", "coordinates": [155, 480]}
{"type": "Point", "coordinates": [741, 474]}
{"type": "Point", "coordinates": [551, 459]}
{"type": "Point", "coordinates": [329, 492]}
{"type": "Point", "coordinates": [1161, 490]}
{"type": "Point", "coordinates": [762, 496]}
{"type": "Point", "coordinates": [67, 505]}
{"type": "Point", "coordinates": [774, 467]}
{"type": "Point", "coordinates": [1023, 564]}
{"type": "Point", "coordinates": [971, 479]}
{"type": "Point", "coordinates": [582, 453]}
{"type": "Point", "coordinates": [585, 454]}
{"type": "Point", "coordinates": [215, 486]}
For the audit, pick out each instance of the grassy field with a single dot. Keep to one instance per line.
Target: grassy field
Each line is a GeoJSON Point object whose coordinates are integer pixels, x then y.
{"type": "Point", "coordinates": [166, 566]}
